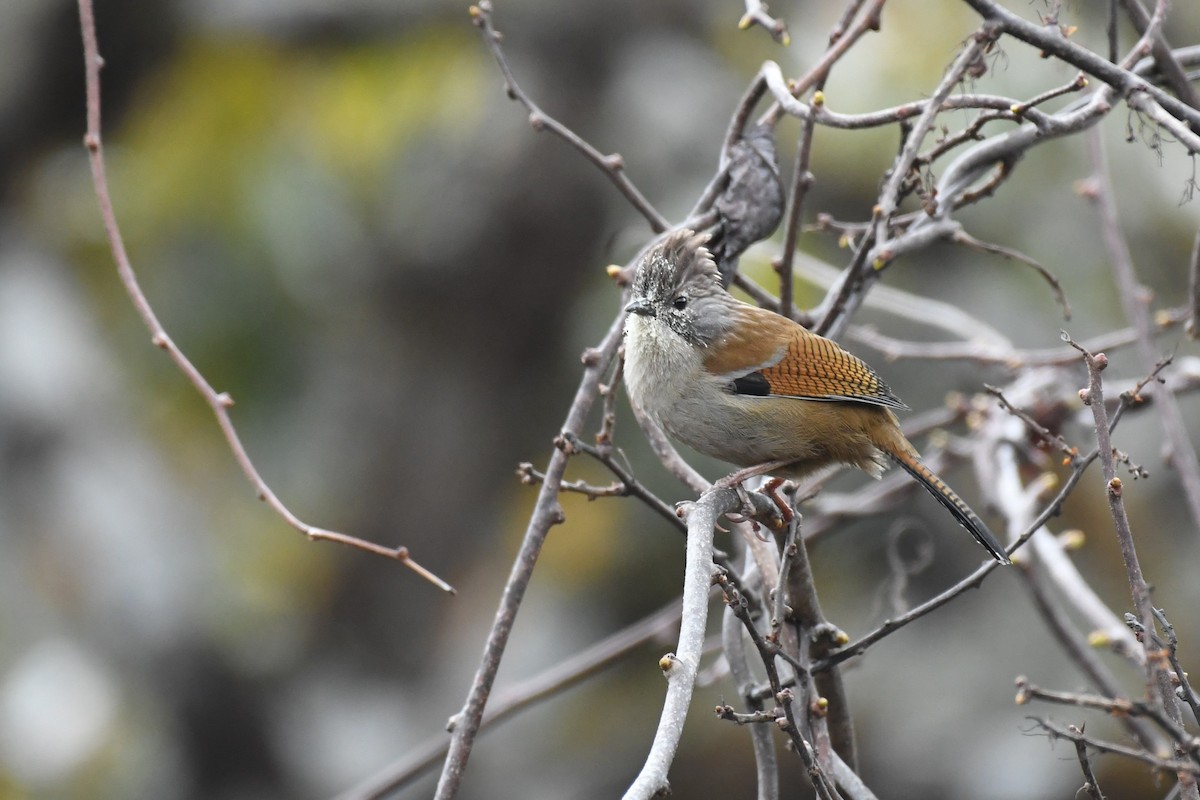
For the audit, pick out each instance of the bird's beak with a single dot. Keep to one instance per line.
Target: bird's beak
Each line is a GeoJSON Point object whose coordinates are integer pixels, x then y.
{"type": "Point", "coordinates": [641, 306]}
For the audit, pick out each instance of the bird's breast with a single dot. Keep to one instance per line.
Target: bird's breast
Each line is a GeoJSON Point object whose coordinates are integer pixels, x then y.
{"type": "Point", "coordinates": [660, 367]}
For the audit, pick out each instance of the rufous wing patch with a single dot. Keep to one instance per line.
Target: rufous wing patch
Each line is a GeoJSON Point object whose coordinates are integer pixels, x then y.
{"type": "Point", "coordinates": [783, 359]}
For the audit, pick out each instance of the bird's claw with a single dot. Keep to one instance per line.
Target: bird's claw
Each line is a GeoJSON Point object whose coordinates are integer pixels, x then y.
{"type": "Point", "coordinates": [770, 489]}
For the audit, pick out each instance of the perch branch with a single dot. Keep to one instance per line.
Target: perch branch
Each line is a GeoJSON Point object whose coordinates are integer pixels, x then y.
{"type": "Point", "coordinates": [680, 667]}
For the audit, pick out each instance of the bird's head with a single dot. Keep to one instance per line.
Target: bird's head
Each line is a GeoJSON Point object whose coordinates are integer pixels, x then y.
{"type": "Point", "coordinates": [677, 286]}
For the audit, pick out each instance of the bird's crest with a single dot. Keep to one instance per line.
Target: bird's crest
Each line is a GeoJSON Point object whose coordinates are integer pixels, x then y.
{"type": "Point", "coordinates": [681, 258]}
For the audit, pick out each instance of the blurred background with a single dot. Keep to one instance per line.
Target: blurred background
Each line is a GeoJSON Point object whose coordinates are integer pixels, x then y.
{"type": "Point", "coordinates": [345, 224]}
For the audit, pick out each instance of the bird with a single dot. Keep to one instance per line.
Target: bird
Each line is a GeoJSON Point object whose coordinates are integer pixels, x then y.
{"type": "Point", "coordinates": [756, 389]}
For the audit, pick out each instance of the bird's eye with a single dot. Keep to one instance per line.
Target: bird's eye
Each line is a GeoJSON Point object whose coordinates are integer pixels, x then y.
{"type": "Point", "coordinates": [680, 302]}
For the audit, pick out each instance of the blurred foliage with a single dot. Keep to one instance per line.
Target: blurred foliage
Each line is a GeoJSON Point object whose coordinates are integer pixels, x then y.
{"type": "Point", "coordinates": [204, 131]}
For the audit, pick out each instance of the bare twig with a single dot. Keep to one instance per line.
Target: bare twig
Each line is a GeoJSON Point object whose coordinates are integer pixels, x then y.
{"type": "Point", "coordinates": [1054, 44]}
{"type": "Point", "coordinates": [612, 165]}
{"type": "Point", "coordinates": [736, 129]}
{"type": "Point", "coordinates": [972, 581]}
{"type": "Point", "coordinates": [1074, 734]}
{"type": "Point", "coordinates": [1158, 682]}
{"type": "Point", "coordinates": [1172, 71]}
{"type": "Point", "coordinates": [756, 14]}
{"type": "Point", "coordinates": [1089, 778]}
{"type": "Point", "coordinates": [783, 696]}
{"type": "Point", "coordinates": [608, 420]}
{"type": "Point", "coordinates": [802, 181]}
{"type": "Point", "coordinates": [1185, 688]}
{"type": "Point", "coordinates": [1078, 84]}
{"type": "Point", "coordinates": [1047, 552]}
{"type": "Point", "coordinates": [529, 476]}
{"type": "Point", "coordinates": [1010, 357]}
{"type": "Point", "coordinates": [1182, 454]}
{"type": "Point", "coordinates": [819, 111]}
{"type": "Point", "coordinates": [765, 759]}
{"type": "Point", "coordinates": [819, 638]}
{"type": "Point", "coordinates": [1093, 396]}
{"type": "Point", "coordinates": [1193, 324]}
{"type": "Point", "coordinates": [668, 455]}
{"type": "Point", "coordinates": [1116, 706]}
{"type": "Point", "coordinates": [1082, 654]}
{"type": "Point", "coordinates": [889, 198]}
{"type": "Point", "coordinates": [630, 485]}
{"type": "Point", "coordinates": [218, 402]}
{"type": "Point", "coordinates": [1032, 424]}
{"type": "Point", "coordinates": [841, 39]}
{"type": "Point", "coordinates": [523, 695]}
{"type": "Point", "coordinates": [962, 237]}
{"type": "Point", "coordinates": [547, 513]}
{"type": "Point", "coordinates": [879, 248]}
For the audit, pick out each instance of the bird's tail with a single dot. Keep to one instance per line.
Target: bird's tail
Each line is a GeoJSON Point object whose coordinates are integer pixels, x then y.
{"type": "Point", "coordinates": [907, 458]}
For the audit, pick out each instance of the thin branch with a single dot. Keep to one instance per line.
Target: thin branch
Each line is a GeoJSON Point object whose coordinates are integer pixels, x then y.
{"type": "Point", "coordinates": [737, 127]}
{"type": "Point", "coordinates": [802, 181]}
{"type": "Point", "coordinates": [819, 111]}
{"type": "Point", "coordinates": [972, 581]}
{"type": "Point", "coordinates": [514, 699]}
{"type": "Point", "coordinates": [876, 250]}
{"type": "Point", "coordinates": [608, 420]}
{"type": "Point", "coordinates": [1046, 551]}
{"type": "Point", "coordinates": [765, 760]}
{"type": "Point", "coordinates": [1054, 44]}
{"type": "Point", "coordinates": [630, 485]}
{"type": "Point", "coordinates": [1074, 734]}
{"type": "Point", "coordinates": [1115, 706]}
{"type": "Point", "coordinates": [1193, 324]}
{"type": "Point", "coordinates": [546, 513]}
{"type": "Point", "coordinates": [1090, 785]}
{"type": "Point", "coordinates": [1033, 425]}
{"type": "Point", "coordinates": [1007, 148]}
{"type": "Point", "coordinates": [842, 300]}
{"type": "Point", "coordinates": [218, 402]}
{"type": "Point", "coordinates": [1093, 396]}
{"type": "Point", "coordinates": [730, 714]}
{"type": "Point", "coordinates": [782, 695]}
{"type": "Point", "coordinates": [841, 40]}
{"type": "Point", "coordinates": [849, 782]}
{"type": "Point", "coordinates": [668, 455]}
{"type": "Point", "coordinates": [1172, 71]}
{"type": "Point", "coordinates": [1078, 84]}
{"type": "Point", "coordinates": [1185, 688]}
{"type": "Point", "coordinates": [1082, 654]}
{"type": "Point", "coordinates": [889, 198]}
{"type": "Point", "coordinates": [529, 476]}
{"type": "Point", "coordinates": [612, 165]}
{"type": "Point", "coordinates": [797, 585]}
{"type": "Point", "coordinates": [1182, 455]}
{"type": "Point", "coordinates": [756, 14]}
{"type": "Point", "coordinates": [1158, 683]}
{"type": "Point", "coordinates": [962, 237]}
{"type": "Point", "coordinates": [1010, 357]}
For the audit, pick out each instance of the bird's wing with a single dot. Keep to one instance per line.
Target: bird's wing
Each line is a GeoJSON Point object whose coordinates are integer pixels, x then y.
{"type": "Point", "coordinates": [768, 355]}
